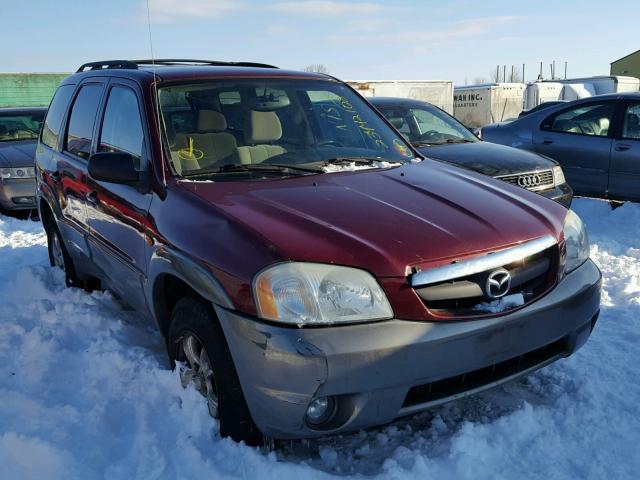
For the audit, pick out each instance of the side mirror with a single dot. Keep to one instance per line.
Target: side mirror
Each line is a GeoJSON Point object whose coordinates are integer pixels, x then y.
{"type": "Point", "coordinates": [476, 131]}
{"type": "Point", "coordinates": [113, 167]}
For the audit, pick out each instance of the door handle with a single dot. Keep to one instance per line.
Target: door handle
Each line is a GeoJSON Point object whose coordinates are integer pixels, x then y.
{"type": "Point", "coordinates": [621, 147]}
{"type": "Point", "coordinates": [92, 197]}
{"type": "Point", "coordinates": [547, 141]}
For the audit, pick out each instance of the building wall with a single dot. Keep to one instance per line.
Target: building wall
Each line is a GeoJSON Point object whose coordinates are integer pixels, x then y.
{"type": "Point", "coordinates": [28, 89]}
{"type": "Point", "coordinates": [628, 66]}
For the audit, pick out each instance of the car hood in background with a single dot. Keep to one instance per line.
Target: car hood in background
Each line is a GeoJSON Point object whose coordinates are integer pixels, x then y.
{"type": "Point", "coordinates": [384, 221]}
{"type": "Point", "coordinates": [488, 158]}
{"type": "Point", "coordinates": [19, 153]}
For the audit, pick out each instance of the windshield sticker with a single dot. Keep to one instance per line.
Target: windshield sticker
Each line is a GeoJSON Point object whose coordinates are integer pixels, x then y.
{"type": "Point", "coordinates": [401, 148]}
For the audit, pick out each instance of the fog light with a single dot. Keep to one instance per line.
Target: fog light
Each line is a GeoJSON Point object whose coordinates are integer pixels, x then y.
{"type": "Point", "coordinates": [320, 410]}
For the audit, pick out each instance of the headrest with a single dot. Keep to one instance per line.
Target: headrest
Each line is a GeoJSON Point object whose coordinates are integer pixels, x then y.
{"type": "Point", "coordinates": [3, 129]}
{"type": "Point", "coordinates": [397, 122]}
{"type": "Point", "coordinates": [634, 120]}
{"type": "Point", "coordinates": [211, 121]}
{"type": "Point", "coordinates": [262, 127]}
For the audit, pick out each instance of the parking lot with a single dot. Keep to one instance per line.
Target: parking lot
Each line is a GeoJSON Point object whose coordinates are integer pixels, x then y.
{"type": "Point", "coordinates": [87, 392]}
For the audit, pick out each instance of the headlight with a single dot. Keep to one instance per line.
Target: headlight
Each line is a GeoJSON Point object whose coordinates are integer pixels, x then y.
{"type": "Point", "coordinates": [316, 294]}
{"type": "Point", "coordinates": [20, 172]}
{"type": "Point", "coordinates": [558, 176]}
{"type": "Point", "coordinates": [576, 241]}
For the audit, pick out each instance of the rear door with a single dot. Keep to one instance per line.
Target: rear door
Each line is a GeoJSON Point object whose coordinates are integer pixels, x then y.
{"type": "Point", "coordinates": [118, 215]}
{"type": "Point", "coordinates": [624, 178]}
{"type": "Point", "coordinates": [580, 138]}
{"type": "Point", "coordinates": [71, 162]}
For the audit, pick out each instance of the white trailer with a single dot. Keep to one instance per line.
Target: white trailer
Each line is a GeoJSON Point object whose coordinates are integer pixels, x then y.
{"type": "Point", "coordinates": [574, 88]}
{"type": "Point", "coordinates": [541, 92]}
{"type": "Point", "coordinates": [436, 92]}
{"type": "Point", "coordinates": [479, 105]}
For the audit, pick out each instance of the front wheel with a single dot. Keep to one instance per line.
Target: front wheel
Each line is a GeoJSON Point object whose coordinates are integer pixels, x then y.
{"type": "Point", "coordinates": [197, 347]}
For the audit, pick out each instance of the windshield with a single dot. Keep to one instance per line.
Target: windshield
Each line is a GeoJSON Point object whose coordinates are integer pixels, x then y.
{"type": "Point", "coordinates": [24, 126]}
{"type": "Point", "coordinates": [307, 124]}
{"type": "Point", "coordinates": [427, 125]}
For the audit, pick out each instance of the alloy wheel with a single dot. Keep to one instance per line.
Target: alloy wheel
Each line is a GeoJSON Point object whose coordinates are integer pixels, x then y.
{"type": "Point", "coordinates": [197, 371]}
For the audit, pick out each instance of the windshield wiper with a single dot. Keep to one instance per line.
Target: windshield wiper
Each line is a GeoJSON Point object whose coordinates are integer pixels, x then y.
{"type": "Point", "coordinates": [253, 167]}
{"type": "Point", "coordinates": [459, 140]}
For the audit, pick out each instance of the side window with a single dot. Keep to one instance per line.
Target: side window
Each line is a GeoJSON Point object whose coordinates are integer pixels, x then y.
{"type": "Point", "coordinates": [593, 119]}
{"type": "Point", "coordinates": [81, 120]}
{"type": "Point", "coordinates": [55, 114]}
{"type": "Point", "coordinates": [122, 125]}
{"type": "Point", "coordinates": [398, 118]}
{"type": "Point", "coordinates": [631, 129]}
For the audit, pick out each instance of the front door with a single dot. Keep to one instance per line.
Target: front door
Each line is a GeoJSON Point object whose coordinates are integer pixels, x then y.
{"type": "Point", "coordinates": [580, 139]}
{"type": "Point", "coordinates": [118, 214]}
{"type": "Point", "coordinates": [624, 179]}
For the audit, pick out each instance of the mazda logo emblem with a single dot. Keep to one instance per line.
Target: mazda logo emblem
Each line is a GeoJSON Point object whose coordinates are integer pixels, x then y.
{"type": "Point", "coordinates": [528, 181]}
{"type": "Point", "coordinates": [498, 283]}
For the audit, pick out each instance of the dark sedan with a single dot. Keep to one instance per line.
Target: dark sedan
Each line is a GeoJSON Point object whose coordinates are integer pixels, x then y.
{"type": "Point", "coordinates": [19, 130]}
{"type": "Point", "coordinates": [596, 140]}
{"type": "Point", "coordinates": [438, 135]}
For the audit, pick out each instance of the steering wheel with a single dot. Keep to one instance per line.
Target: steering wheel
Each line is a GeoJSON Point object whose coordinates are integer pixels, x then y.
{"type": "Point", "coordinates": [429, 134]}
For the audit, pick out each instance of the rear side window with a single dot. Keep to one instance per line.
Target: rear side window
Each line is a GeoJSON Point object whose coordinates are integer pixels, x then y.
{"type": "Point", "coordinates": [592, 119]}
{"type": "Point", "coordinates": [122, 126]}
{"type": "Point", "coordinates": [81, 120]}
{"type": "Point", "coordinates": [55, 114]}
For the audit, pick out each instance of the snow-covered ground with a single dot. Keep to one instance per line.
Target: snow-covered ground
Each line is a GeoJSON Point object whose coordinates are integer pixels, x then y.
{"type": "Point", "coordinates": [85, 393]}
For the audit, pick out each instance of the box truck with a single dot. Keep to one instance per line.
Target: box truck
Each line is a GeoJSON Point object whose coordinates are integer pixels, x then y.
{"type": "Point", "coordinates": [479, 105]}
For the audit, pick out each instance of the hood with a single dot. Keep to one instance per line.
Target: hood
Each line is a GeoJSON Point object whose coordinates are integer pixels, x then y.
{"type": "Point", "coordinates": [488, 158]}
{"type": "Point", "coordinates": [384, 221]}
{"type": "Point", "coordinates": [18, 153]}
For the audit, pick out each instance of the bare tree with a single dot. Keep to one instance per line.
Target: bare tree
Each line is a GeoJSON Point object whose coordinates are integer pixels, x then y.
{"type": "Point", "coordinates": [317, 68]}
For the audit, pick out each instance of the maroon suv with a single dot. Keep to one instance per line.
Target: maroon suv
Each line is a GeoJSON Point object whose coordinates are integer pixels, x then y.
{"type": "Point", "coordinates": [307, 276]}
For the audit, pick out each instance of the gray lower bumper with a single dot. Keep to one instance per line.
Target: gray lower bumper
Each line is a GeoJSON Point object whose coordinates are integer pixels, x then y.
{"type": "Point", "coordinates": [18, 194]}
{"type": "Point", "coordinates": [371, 367]}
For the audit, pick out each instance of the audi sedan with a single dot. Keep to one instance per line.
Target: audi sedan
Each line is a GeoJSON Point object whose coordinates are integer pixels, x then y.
{"type": "Point", "coordinates": [439, 136]}
{"type": "Point", "coordinates": [19, 130]}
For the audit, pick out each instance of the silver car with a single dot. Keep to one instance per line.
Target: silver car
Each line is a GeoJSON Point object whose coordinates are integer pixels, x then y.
{"type": "Point", "coordinates": [596, 140]}
{"type": "Point", "coordinates": [19, 131]}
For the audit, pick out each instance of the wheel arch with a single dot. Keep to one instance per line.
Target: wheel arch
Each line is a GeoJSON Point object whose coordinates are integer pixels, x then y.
{"type": "Point", "coordinates": [172, 276]}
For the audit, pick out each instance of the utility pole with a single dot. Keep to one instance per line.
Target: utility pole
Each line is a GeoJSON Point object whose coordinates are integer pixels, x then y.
{"type": "Point", "coordinates": [523, 73]}
{"type": "Point", "coordinates": [565, 70]}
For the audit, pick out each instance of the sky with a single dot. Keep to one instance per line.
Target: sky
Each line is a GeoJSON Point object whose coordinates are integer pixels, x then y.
{"type": "Point", "coordinates": [459, 40]}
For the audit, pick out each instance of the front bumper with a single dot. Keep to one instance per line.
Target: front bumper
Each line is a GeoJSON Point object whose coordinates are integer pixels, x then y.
{"type": "Point", "coordinates": [563, 194]}
{"type": "Point", "coordinates": [18, 193]}
{"type": "Point", "coordinates": [371, 368]}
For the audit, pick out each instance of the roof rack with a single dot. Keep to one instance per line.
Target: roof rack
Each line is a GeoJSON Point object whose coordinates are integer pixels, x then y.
{"type": "Point", "coordinates": [125, 64]}
{"type": "Point", "coordinates": [182, 61]}
{"type": "Point", "coordinates": [134, 64]}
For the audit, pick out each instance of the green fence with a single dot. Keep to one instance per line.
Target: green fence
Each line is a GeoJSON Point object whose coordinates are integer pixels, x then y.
{"type": "Point", "coordinates": [28, 89]}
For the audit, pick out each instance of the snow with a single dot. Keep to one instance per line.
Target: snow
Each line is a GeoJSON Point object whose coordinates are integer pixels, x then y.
{"type": "Point", "coordinates": [353, 166]}
{"type": "Point", "coordinates": [85, 392]}
{"type": "Point", "coordinates": [501, 304]}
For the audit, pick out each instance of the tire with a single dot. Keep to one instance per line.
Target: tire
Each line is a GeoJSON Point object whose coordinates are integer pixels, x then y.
{"type": "Point", "coordinates": [58, 255]}
{"type": "Point", "coordinates": [194, 322]}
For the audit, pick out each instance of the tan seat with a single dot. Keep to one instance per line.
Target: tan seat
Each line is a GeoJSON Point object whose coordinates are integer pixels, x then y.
{"type": "Point", "coordinates": [211, 139]}
{"type": "Point", "coordinates": [261, 130]}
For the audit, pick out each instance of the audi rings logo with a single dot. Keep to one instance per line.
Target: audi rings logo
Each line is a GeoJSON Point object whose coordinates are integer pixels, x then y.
{"type": "Point", "coordinates": [498, 283]}
{"type": "Point", "coordinates": [529, 181]}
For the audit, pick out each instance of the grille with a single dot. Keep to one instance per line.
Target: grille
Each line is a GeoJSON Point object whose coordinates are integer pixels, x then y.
{"type": "Point", "coordinates": [432, 393]}
{"type": "Point", "coordinates": [466, 296]}
{"type": "Point", "coordinates": [534, 181]}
